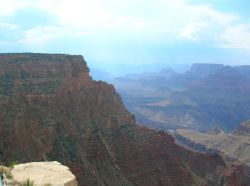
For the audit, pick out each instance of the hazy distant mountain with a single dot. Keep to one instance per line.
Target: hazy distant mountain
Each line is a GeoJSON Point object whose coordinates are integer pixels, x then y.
{"type": "Point", "coordinates": [203, 70]}
{"type": "Point", "coordinates": [244, 70]}
{"type": "Point", "coordinates": [204, 97]}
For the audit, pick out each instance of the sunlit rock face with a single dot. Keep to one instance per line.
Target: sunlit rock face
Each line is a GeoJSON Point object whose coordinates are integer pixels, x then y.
{"type": "Point", "coordinates": [44, 173]}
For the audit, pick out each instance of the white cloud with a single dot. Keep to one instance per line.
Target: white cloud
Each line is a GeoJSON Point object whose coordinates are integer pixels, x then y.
{"type": "Point", "coordinates": [201, 20]}
{"type": "Point", "coordinates": [132, 14]}
{"type": "Point", "coordinates": [236, 37]}
{"type": "Point", "coordinates": [8, 26]}
{"type": "Point", "coordinates": [9, 7]}
{"type": "Point", "coordinates": [44, 35]}
{"type": "Point", "coordinates": [157, 19]}
{"type": "Point", "coordinates": [192, 29]}
{"type": "Point", "coordinates": [41, 35]}
{"type": "Point", "coordinates": [94, 14]}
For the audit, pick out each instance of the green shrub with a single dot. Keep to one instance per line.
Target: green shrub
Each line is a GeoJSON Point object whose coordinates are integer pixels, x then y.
{"type": "Point", "coordinates": [13, 163]}
{"type": "Point", "coordinates": [28, 182]}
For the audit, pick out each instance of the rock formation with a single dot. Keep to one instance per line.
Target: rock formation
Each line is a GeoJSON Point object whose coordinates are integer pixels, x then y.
{"type": "Point", "coordinates": [243, 129]}
{"type": "Point", "coordinates": [51, 109]}
{"type": "Point", "coordinates": [204, 97]}
{"type": "Point", "coordinates": [44, 173]}
{"type": "Point", "coordinates": [235, 146]}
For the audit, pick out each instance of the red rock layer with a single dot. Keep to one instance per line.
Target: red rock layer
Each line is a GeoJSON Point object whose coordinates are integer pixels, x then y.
{"type": "Point", "coordinates": [51, 109]}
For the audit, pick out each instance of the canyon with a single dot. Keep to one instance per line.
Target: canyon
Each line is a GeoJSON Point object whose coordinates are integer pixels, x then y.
{"type": "Point", "coordinates": [52, 110]}
{"type": "Point", "coordinates": [203, 97]}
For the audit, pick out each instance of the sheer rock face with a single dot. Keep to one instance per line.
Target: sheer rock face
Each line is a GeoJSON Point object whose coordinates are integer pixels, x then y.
{"type": "Point", "coordinates": [44, 173]}
{"type": "Point", "coordinates": [51, 109]}
{"type": "Point", "coordinates": [235, 147]}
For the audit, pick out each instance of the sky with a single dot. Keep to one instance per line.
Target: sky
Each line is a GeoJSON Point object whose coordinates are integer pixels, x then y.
{"type": "Point", "coordinates": [115, 35]}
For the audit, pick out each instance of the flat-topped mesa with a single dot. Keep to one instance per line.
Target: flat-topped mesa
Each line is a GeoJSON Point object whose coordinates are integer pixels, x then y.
{"type": "Point", "coordinates": [204, 69]}
{"type": "Point", "coordinates": [52, 95]}
{"type": "Point", "coordinates": [41, 73]}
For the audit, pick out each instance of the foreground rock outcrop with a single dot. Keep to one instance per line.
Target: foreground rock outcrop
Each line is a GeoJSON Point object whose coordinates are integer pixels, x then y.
{"type": "Point", "coordinates": [51, 109]}
{"type": "Point", "coordinates": [44, 173]}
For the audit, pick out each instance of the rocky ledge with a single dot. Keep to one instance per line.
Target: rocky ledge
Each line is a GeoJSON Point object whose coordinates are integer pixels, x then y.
{"type": "Point", "coordinates": [44, 173]}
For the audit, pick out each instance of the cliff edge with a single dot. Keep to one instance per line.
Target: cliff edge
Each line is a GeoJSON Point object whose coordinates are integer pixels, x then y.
{"type": "Point", "coordinates": [51, 109]}
{"type": "Point", "coordinates": [44, 173]}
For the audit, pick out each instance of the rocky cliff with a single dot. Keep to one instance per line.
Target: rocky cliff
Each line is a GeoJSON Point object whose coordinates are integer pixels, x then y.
{"type": "Point", "coordinates": [235, 146]}
{"type": "Point", "coordinates": [243, 129]}
{"type": "Point", "coordinates": [51, 109]}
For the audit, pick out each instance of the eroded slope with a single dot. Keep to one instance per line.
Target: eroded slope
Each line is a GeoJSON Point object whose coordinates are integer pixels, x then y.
{"type": "Point", "coordinates": [51, 109]}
